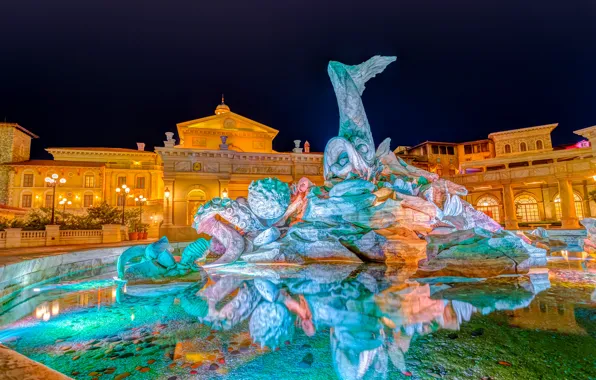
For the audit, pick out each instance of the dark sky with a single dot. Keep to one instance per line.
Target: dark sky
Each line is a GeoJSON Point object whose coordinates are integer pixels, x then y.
{"type": "Point", "coordinates": [111, 73]}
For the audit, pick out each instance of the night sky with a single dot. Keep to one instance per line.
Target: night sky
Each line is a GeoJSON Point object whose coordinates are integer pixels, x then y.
{"type": "Point", "coordinates": [111, 73]}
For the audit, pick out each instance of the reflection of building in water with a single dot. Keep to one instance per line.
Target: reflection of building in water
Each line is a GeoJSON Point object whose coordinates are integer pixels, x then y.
{"type": "Point", "coordinates": [541, 315]}
{"type": "Point", "coordinates": [97, 297]}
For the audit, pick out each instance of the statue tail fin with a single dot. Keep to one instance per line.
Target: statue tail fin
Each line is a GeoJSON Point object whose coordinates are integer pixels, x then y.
{"type": "Point", "coordinates": [366, 70]}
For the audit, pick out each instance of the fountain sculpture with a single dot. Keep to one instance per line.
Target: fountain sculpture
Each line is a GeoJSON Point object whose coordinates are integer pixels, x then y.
{"type": "Point", "coordinates": [371, 202]}
{"type": "Point", "coordinates": [368, 195]}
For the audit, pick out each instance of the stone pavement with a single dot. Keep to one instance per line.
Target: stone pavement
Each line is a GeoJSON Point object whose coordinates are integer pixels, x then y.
{"type": "Point", "coordinates": [18, 367]}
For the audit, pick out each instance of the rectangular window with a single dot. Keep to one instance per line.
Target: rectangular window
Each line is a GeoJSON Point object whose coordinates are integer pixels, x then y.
{"type": "Point", "coordinates": [450, 151]}
{"type": "Point", "coordinates": [26, 200]}
{"type": "Point", "coordinates": [120, 200]}
{"type": "Point", "coordinates": [484, 147]}
{"type": "Point", "coordinates": [88, 200]}
{"type": "Point", "coordinates": [121, 181]}
{"type": "Point", "coordinates": [435, 149]}
{"type": "Point", "coordinates": [443, 149]}
{"type": "Point", "coordinates": [28, 180]}
{"type": "Point", "coordinates": [90, 181]}
{"type": "Point", "coordinates": [140, 182]}
{"type": "Point", "coordinates": [467, 149]}
{"type": "Point", "coordinates": [49, 200]}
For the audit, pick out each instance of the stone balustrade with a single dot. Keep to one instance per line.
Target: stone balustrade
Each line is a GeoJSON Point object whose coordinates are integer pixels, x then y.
{"type": "Point", "coordinates": [52, 235]}
{"type": "Point", "coordinates": [580, 169]}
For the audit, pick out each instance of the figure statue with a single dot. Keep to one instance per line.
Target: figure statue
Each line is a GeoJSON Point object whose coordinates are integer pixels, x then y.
{"type": "Point", "coordinates": [590, 240]}
{"type": "Point", "coordinates": [158, 262]}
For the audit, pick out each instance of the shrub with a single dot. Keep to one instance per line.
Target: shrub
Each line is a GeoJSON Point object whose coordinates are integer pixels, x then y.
{"type": "Point", "coordinates": [104, 214]}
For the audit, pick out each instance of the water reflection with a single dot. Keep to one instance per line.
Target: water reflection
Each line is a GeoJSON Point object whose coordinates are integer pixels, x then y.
{"type": "Point", "coordinates": [370, 320]}
{"type": "Point", "coordinates": [369, 316]}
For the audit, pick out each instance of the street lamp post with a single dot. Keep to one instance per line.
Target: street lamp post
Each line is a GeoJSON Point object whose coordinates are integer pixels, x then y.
{"type": "Point", "coordinates": [140, 199]}
{"type": "Point", "coordinates": [64, 202]}
{"type": "Point", "coordinates": [124, 190]}
{"type": "Point", "coordinates": [167, 196]}
{"type": "Point", "coordinates": [53, 181]}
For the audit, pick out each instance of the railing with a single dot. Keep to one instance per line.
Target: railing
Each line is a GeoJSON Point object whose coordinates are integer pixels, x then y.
{"type": "Point", "coordinates": [33, 235]}
{"type": "Point", "coordinates": [81, 236]}
{"type": "Point", "coordinates": [80, 233]}
{"type": "Point", "coordinates": [33, 238]}
{"type": "Point", "coordinates": [51, 236]}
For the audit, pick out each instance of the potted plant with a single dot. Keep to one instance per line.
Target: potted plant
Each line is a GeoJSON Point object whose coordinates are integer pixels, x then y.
{"type": "Point", "coordinates": [145, 230]}
{"type": "Point", "coordinates": [133, 234]}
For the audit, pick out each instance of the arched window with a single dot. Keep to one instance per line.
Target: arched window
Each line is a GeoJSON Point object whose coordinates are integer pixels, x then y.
{"type": "Point", "coordinates": [539, 145]}
{"type": "Point", "coordinates": [48, 199]}
{"type": "Point", "coordinates": [523, 147]}
{"type": "Point", "coordinates": [88, 199]}
{"type": "Point", "coordinates": [507, 148]}
{"type": "Point", "coordinates": [579, 206]}
{"type": "Point", "coordinates": [490, 206]}
{"type": "Point", "coordinates": [26, 200]}
{"type": "Point", "coordinates": [140, 182]}
{"type": "Point", "coordinates": [28, 178]}
{"type": "Point", "coordinates": [89, 180]}
{"type": "Point", "coordinates": [526, 208]}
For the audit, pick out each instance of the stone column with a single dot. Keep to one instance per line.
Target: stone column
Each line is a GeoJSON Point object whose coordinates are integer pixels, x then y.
{"type": "Point", "coordinates": [13, 237]}
{"type": "Point", "coordinates": [111, 233]}
{"type": "Point", "coordinates": [568, 214]}
{"type": "Point", "coordinates": [52, 234]}
{"type": "Point", "coordinates": [509, 207]}
{"type": "Point", "coordinates": [168, 204]}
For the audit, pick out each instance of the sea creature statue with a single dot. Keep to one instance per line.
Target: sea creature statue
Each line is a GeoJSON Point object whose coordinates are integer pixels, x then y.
{"type": "Point", "coordinates": [590, 240]}
{"type": "Point", "coordinates": [158, 262]}
{"type": "Point", "coordinates": [368, 195]}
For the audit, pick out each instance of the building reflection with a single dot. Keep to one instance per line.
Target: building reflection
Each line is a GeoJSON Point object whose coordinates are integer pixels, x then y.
{"type": "Point", "coordinates": [47, 310]}
{"type": "Point", "coordinates": [541, 315]}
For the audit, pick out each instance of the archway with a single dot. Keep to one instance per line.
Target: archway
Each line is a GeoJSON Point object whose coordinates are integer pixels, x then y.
{"type": "Point", "coordinates": [579, 206]}
{"type": "Point", "coordinates": [490, 206]}
{"type": "Point", "coordinates": [526, 208]}
{"type": "Point", "coordinates": [195, 199]}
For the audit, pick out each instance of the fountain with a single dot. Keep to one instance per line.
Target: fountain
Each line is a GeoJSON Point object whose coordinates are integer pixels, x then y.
{"type": "Point", "coordinates": [373, 207]}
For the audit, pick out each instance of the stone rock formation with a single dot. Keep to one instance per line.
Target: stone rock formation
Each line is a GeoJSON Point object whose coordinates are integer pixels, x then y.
{"type": "Point", "coordinates": [590, 240]}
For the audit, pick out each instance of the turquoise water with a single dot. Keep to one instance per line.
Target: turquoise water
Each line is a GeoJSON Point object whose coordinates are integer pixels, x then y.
{"type": "Point", "coordinates": [313, 322]}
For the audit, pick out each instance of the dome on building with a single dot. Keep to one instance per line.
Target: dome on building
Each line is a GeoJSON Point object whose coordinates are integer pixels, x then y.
{"type": "Point", "coordinates": [222, 108]}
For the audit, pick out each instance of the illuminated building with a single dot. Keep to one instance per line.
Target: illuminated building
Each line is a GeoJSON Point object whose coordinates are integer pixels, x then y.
{"type": "Point", "coordinates": [516, 176]}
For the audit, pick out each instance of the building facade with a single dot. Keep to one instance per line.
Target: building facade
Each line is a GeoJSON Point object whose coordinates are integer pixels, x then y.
{"type": "Point", "coordinates": [517, 177]}
{"type": "Point", "coordinates": [219, 156]}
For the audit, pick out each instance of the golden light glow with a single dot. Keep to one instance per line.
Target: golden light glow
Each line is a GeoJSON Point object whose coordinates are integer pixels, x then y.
{"type": "Point", "coordinates": [55, 308]}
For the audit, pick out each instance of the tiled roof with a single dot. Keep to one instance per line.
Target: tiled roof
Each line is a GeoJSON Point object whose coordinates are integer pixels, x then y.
{"type": "Point", "coordinates": [81, 164]}
{"type": "Point", "coordinates": [17, 126]}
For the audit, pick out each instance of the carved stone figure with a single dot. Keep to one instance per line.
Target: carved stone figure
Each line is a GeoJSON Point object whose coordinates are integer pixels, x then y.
{"type": "Point", "coordinates": [158, 262]}
{"type": "Point", "coordinates": [590, 240]}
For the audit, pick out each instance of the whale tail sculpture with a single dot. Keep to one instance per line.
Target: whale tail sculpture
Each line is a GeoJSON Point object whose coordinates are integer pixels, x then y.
{"type": "Point", "coordinates": [354, 149]}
